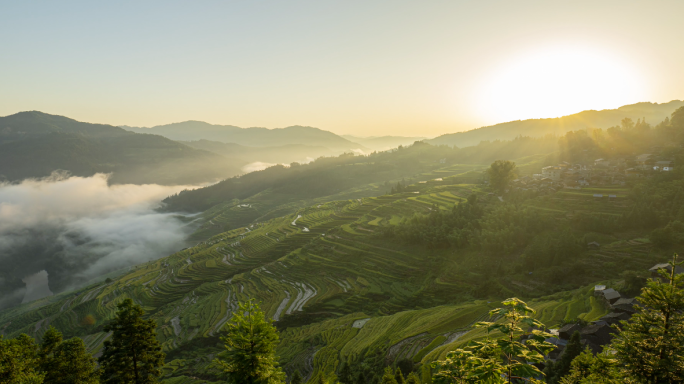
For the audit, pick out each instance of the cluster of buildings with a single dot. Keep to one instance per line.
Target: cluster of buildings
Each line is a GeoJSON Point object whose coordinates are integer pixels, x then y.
{"type": "Point", "coordinates": [599, 333]}
{"type": "Point", "coordinates": [600, 172]}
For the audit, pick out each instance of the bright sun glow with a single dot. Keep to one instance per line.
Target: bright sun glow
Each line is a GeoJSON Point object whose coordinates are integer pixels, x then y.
{"type": "Point", "coordinates": [558, 82]}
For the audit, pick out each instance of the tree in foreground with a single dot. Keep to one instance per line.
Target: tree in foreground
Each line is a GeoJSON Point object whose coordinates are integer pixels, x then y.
{"type": "Point", "coordinates": [398, 376]}
{"type": "Point", "coordinates": [66, 362]}
{"type": "Point", "coordinates": [589, 369]}
{"type": "Point", "coordinates": [250, 345]}
{"type": "Point", "coordinates": [651, 345]}
{"type": "Point", "coordinates": [19, 361]}
{"type": "Point", "coordinates": [133, 355]}
{"type": "Point", "coordinates": [346, 376]}
{"type": "Point", "coordinates": [502, 360]}
{"type": "Point", "coordinates": [412, 378]}
{"type": "Point", "coordinates": [501, 173]}
{"type": "Point", "coordinates": [555, 372]}
{"type": "Point", "coordinates": [388, 377]}
{"type": "Point", "coordinates": [296, 378]}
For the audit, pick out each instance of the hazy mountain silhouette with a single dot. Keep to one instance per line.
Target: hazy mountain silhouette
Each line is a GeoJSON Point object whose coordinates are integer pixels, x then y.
{"type": "Point", "coordinates": [253, 137]}
{"type": "Point", "coordinates": [34, 144]}
{"type": "Point", "coordinates": [277, 154]}
{"type": "Point", "coordinates": [382, 143]}
{"type": "Point", "coordinates": [653, 113]}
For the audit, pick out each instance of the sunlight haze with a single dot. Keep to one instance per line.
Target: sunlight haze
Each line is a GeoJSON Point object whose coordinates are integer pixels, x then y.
{"type": "Point", "coordinates": [361, 68]}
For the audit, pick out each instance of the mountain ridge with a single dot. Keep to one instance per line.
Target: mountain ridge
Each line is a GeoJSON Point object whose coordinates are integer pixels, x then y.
{"type": "Point", "coordinates": [654, 113]}
{"type": "Point", "coordinates": [34, 144]}
{"type": "Point", "coordinates": [194, 130]}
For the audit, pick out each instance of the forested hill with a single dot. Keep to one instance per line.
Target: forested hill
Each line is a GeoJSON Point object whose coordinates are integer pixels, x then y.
{"type": "Point", "coordinates": [34, 144]}
{"type": "Point", "coordinates": [653, 113]}
{"type": "Point", "coordinates": [254, 137]}
{"type": "Point", "coordinates": [330, 175]}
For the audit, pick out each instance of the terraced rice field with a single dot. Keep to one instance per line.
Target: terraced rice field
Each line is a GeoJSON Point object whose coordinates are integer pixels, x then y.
{"type": "Point", "coordinates": [335, 289]}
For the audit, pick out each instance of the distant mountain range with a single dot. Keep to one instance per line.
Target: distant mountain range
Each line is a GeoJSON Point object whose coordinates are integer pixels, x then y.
{"type": "Point", "coordinates": [34, 144]}
{"type": "Point", "coordinates": [276, 154]}
{"type": "Point", "coordinates": [383, 143]}
{"type": "Point", "coordinates": [253, 137]}
{"type": "Point", "coordinates": [654, 113]}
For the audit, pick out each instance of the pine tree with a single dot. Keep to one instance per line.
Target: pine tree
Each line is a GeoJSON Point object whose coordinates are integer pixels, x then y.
{"type": "Point", "coordinates": [562, 366]}
{"type": "Point", "coordinates": [589, 369]}
{"type": "Point", "coordinates": [650, 345]}
{"type": "Point", "coordinates": [398, 376]}
{"type": "Point", "coordinates": [19, 361]}
{"type": "Point", "coordinates": [346, 375]}
{"type": "Point", "coordinates": [361, 379]}
{"type": "Point", "coordinates": [133, 355]}
{"type": "Point", "coordinates": [412, 378]}
{"type": "Point", "coordinates": [66, 362]}
{"type": "Point", "coordinates": [426, 375]}
{"type": "Point", "coordinates": [388, 377]}
{"type": "Point", "coordinates": [296, 378]}
{"type": "Point", "coordinates": [250, 345]}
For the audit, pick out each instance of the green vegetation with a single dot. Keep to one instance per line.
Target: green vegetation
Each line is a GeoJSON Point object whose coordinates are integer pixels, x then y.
{"type": "Point", "coordinates": [250, 341]}
{"type": "Point", "coordinates": [66, 362]}
{"type": "Point", "coordinates": [357, 278]}
{"type": "Point", "coordinates": [133, 355]}
{"type": "Point", "coordinates": [504, 359]}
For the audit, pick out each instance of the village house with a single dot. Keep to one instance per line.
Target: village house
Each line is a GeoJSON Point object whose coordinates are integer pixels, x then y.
{"type": "Point", "coordinates": [643, 161]}
{"type": "Point", "coordinates": [625, 305]}
{"type": "Point", "coordinates": [610, 295]}
{"type": "Point", "coordinates": [656, 268]}
{"type": "Point", "coordinates": [552, 172]}
{"type": "Point", "coordinates": [662, 166]}
{"type": "Point", "coordinates": [601, 163]}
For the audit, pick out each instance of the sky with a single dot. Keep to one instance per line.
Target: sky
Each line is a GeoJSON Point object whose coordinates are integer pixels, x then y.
{"type": "Point", "coordinates": [366, 68]}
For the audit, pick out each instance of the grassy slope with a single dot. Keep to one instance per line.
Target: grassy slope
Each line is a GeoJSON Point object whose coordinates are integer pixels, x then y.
{"type": "Point", "coordinates": [317, 283]}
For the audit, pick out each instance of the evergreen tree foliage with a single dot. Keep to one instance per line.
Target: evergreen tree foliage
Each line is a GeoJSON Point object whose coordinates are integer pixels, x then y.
{"type": "Point", "coordinates": [413, 378]}
{"type": "Point", "coordinates": [66, 362]}
{"type": "Point", "coordinates": [503, 360]}
{"type": "Point", "coordinates": [589, 369]}
{"type": "Point", "coordinates": [426, 376]}
{"type": "Point", "coordinates": [406, 366]}
{"type": "Point", "coordinates": [133, 355]}
{"type": "Point", "coordinates": [562, 367]}
{"type": "Point", "coordinates": [346, 376]}
{"type": "Point", "coordinates": [360, 379]}
{"type": "Point", "coordinates": [650, 346]}
{"type": "Point", "coordinates": [388, 377]}
{"type": "Point", "coordinates": [398, 376]}
{"type": "Point", "coordinates": [19, 361]}
{"type": "Point", "coordinates": [501, 173]}
{"type": "Point", "coordinates": [296, 378]}
{"type": "Point", "coordinates": [250, 345]}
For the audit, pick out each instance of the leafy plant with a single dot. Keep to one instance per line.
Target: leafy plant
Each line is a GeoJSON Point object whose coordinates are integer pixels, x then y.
{"type": "Point", "coordinates": [502, 360]}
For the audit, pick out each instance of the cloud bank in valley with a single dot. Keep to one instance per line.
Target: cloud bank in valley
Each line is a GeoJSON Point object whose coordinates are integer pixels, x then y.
{"type": "Point", "coordinates": [78, 228]}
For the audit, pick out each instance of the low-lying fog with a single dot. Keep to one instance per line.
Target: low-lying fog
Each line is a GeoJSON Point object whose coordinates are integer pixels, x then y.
{"type": "Point", "coordinates": [74, 229]}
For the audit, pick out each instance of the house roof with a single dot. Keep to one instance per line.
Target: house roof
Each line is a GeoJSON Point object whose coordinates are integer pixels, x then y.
{"type": "Point", "coordinates": [597, 333]}
{"type": "Point", "coordinates": [626, 300]}
{"type": "Point", "coordinates": [616, 315]}
{"type": "Point", "coordinates": [610, 294]}
{"type": "Point", "coordinates": [667, 266]}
